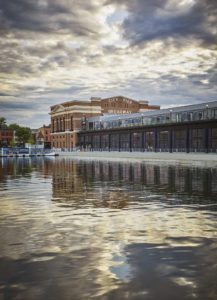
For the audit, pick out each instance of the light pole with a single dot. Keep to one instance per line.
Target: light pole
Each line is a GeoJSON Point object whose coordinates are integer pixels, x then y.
{"type": "Point", "coordinates": [142, 119]}
{"type": "Point", "coordinates": [171, 111]}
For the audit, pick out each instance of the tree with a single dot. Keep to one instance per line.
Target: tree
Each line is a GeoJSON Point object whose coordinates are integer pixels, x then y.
{"type": "Point", "coordinates": [3, 122]}
{"type": "Point", "coordinates": [22, 134]}
{"type": "Point", "coordinates": [14, 126]}
{"type": "Point", "coordinates": [13, 143]}
{"type": "Point", "coordinates": [31, 140]}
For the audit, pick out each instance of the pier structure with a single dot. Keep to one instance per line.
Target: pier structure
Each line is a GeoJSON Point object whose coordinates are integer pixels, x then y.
{"type": "Point", "coordinates": [191, 128]}
{"type": "Point", "coordinates": [25, 152]}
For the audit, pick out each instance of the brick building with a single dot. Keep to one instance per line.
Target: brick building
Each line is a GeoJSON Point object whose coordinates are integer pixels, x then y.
{"type": "Point", "coordinates": [43, 136]}
{"type": "Point", "coordinates": [6, 136]}
{"type": "Point", "coordinates": [67, 117]}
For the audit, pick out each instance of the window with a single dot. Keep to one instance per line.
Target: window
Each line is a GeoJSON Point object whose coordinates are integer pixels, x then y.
{"type": "Point", "coordinates": [105, 141]}
{"type": "Point", "coordinates": [179, 139]}
{"type": "Point", "coordinates": [114, 141]}
{"type": "Point", "coordinates": [184, 117]}
{"type": "Point", "coordinates": [214, 113]}
{"type": "Point", "coordinates": [197, 139]}
{"type": "Point", "coordinates": [96, 141]}
{"type": "Point", "coordinates": [213, 139]}
{"type": "Point", "coordinates": [190, 116]}
{"type": "Point", "coordinates": [137, 140]}
{"type": "Point", "coordinates": [149, 140]}
{"type": "Point", "coordinates": [125, 140]}
{"type": "Point", "coordinates": [164, 139]}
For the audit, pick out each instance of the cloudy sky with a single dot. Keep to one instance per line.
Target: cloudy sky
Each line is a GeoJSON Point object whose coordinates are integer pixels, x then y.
{"type": "Point", "coordinates": [52, 51]}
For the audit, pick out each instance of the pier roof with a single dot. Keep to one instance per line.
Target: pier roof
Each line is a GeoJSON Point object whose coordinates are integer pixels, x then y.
{"type": "Point", "coordinates": [150, 113]}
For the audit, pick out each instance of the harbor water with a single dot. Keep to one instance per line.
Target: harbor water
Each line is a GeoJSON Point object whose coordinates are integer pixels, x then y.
{"type": "Point", "coordinates": [89, 229]}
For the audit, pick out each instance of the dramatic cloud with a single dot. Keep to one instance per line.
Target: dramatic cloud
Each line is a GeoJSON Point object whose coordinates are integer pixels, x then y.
{"type": "Point", "coordinates": [53, 51]}
{"type": "Point", "coordinates": [171, 19]}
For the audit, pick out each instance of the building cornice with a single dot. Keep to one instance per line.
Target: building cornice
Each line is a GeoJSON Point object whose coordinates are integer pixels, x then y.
{"type": "Point", "coordinates": [78, 109]}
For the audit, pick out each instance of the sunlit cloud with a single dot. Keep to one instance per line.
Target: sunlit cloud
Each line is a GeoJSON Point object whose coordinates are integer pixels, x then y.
{"type": "Point", "coordinates": [52, 51]}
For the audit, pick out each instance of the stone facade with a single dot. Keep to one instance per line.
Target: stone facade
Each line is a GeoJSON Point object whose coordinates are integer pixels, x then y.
{"type": "Point", "coordinates": [66, 118]}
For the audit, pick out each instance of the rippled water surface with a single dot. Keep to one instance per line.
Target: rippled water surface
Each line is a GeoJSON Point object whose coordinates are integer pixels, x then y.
{"type": "Point", "coordinates": [73, 229]}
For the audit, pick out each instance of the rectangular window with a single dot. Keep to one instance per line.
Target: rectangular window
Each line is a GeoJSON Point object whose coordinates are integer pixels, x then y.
{"type": "Point", "coordinates": [163, 140]}
{"type": "Point", "coordinates": [125, 141]}
{"type": "Point", "coordinates": [137, 140]}
{"type": "Point", "coordinates": [197, 139]}
{"type": "Point", "coordinates": [213, 139]}
{"type": "Point", "coordinates": [149, 140]}
{"type": "Point", "coordinates": [114, 142]}
{"type": "Point", "coordinates": [179, 140]}
{"type": "Point", "coordinates": [105, 141]}
{"type": "Point", "coordinates": [214, 113]}
{"type": "Point", "coordinates": [96, 142]}
{"type": "Point", "coordinates": [184, 117]}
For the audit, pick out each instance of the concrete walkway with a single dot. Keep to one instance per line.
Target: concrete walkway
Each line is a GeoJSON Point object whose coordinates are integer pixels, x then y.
{"type": "Point", "coordinates": [183, 158]}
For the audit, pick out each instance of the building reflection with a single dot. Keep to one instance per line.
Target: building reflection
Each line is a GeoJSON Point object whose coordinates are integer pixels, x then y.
{"type": "Point", "coordinates": [11, 168]}
{"type": "Point", "coordinates": [110, 184]}
{"type": "Point", "coordinates": [14, 167]}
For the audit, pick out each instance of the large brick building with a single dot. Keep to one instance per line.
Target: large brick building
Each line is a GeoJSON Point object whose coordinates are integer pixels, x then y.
{"type": "Point", "coordinates": [66, 118]}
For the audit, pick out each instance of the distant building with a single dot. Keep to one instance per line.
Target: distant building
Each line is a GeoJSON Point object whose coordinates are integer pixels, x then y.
{"type": "Point", "coordinates": [6, 136]}
{"type": "Point", "coordinates": [43, 137]}
{"type": "Point", "coordinates": [67, 117]}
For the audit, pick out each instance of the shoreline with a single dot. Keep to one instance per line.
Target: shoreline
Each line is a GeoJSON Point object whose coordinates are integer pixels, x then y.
{"type": "Point", "coordinates": [182, 158]}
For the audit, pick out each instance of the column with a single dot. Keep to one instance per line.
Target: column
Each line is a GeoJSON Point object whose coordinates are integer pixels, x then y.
{"type": "Point", "coordinates": [143, 141]}
{"type": "Point", "coordinates": [206, 137]}
{"type": "Point", "coordinates": [170, 140]}
{"type": "Point", "coordinates": [119, 142]}
{"type": "Point", "coordinates": [187, 139]}
{"type": "Point", "coordinates": [109, 142]}
{"type": "Point", "coordinates": [155, 140]}
{"type": "Point", "coordinates": [130, 141]}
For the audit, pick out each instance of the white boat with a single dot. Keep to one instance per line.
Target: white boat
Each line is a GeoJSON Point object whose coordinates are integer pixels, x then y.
{"type": "Point", "coordinates": [51, 154]}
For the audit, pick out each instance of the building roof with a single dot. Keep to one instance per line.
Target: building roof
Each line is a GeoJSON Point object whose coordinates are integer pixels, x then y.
{"type": "Point", "coordinates": [186, 108]}
{"type": "Point", "coordinates": [96, 99]}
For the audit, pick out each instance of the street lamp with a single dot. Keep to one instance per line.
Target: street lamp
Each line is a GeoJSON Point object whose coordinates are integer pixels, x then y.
{"type": "Point", "coordinates": [207, 111]}
{"type": "Point", "coordinates": [142, 119]}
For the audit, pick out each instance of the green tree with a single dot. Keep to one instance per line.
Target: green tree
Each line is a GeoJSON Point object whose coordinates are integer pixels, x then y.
{"type": "Point", "coordinates": [3, 122]}
{"type": "Point", "coordinates": [13, 143]}
{"type": "Point", "coordinates": [31, 140]}
{"type": "Point", "coordinates": [22, 134]}
{"type": "Point", "coordinates": [14, 126]}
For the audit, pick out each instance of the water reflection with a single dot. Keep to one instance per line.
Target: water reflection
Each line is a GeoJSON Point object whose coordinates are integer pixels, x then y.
{"type": "Point", "coordinates": [107, 230]}
{"type": "Point", "coordinates": [119, 180]}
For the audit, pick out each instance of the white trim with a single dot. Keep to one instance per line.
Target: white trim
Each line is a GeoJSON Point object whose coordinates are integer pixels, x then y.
{"type": "Point", "coordinates": [57, 109]}
{"type": "Point", "coordinates": [144, 109]}
{"type": "Point", "coordinates": [83, 107]}
{"type": "Point", "coordinates": [62, 132]}
{"type": "Point", "coordinates": [77, 109]}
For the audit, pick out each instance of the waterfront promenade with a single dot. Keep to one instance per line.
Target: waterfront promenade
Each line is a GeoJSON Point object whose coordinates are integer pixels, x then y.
{"type": "Point", "coordinates": [183, 158]}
